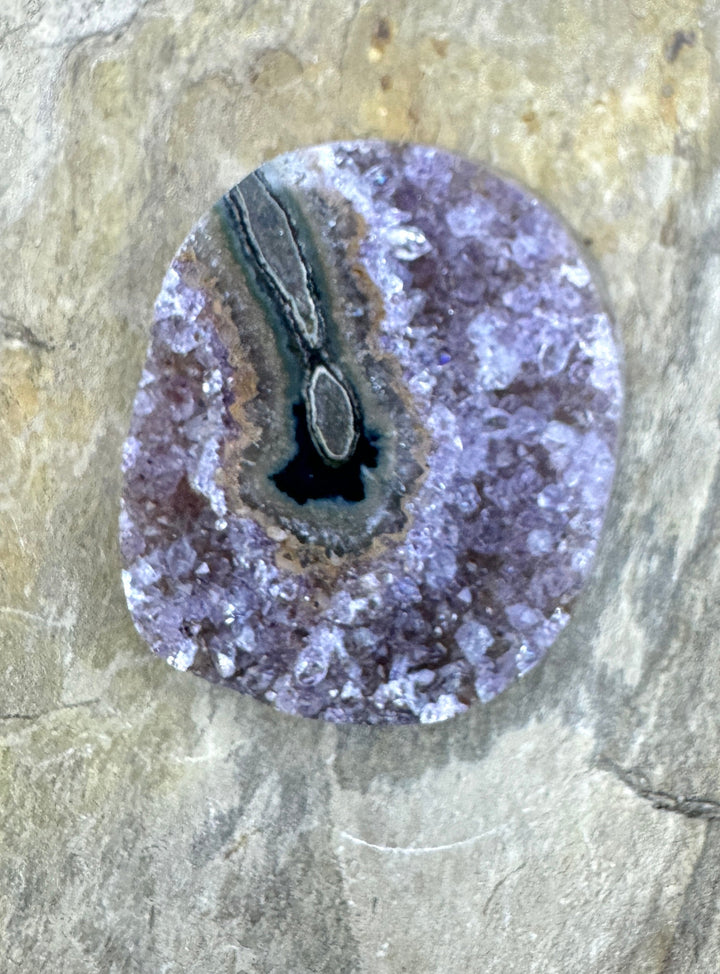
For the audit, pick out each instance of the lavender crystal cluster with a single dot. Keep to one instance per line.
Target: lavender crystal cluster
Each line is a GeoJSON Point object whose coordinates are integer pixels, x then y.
{"type": "Point", "coordinates": [472, 322]}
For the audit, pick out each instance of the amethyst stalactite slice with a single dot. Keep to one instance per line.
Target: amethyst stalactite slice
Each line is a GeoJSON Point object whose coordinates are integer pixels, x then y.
{"type": "Point", "coordinates": [374, 437]}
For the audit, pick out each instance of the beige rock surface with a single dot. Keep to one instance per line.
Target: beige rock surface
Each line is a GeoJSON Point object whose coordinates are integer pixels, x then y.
{"type": "Point", "coordinates": [152, 823]}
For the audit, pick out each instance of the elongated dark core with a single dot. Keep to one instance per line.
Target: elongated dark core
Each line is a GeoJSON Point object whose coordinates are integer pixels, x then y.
{"type": "Point", "coordinates": [329, 428]}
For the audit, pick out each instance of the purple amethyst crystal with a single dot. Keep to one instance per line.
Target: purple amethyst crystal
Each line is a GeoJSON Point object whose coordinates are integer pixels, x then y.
{"type": "Point", "coordinates": [374, 437]}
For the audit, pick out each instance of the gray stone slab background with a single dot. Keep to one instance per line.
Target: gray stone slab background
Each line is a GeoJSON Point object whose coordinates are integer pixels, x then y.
{"type": "Point", "coordinates": [150, 822]}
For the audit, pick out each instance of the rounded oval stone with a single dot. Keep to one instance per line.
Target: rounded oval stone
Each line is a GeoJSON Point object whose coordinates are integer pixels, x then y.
{"type": "Point", "coordinates": [374, 437]}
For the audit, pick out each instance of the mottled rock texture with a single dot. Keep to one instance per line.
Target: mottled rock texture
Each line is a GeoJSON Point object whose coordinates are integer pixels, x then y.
{"type": "Point", "coordinates": [148, 819]}
{"type": "Point", "coordinates": [437, 326]}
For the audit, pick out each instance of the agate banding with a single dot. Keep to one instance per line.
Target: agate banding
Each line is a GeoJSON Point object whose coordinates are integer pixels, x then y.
{"type": "Point", "coordinates": [374, 438]}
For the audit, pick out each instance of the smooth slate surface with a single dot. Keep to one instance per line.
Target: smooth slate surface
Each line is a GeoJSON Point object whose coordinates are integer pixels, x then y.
{"type": "Point", "coordinates": [149, 819]}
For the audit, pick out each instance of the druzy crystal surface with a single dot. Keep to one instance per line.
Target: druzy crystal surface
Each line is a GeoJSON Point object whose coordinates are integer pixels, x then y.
{"type": "Point", "coordinates": [374, 437]}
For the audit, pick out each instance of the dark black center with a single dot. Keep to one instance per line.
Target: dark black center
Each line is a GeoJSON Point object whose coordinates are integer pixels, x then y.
{"type": "Point", "coordinates": [309, 477]}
